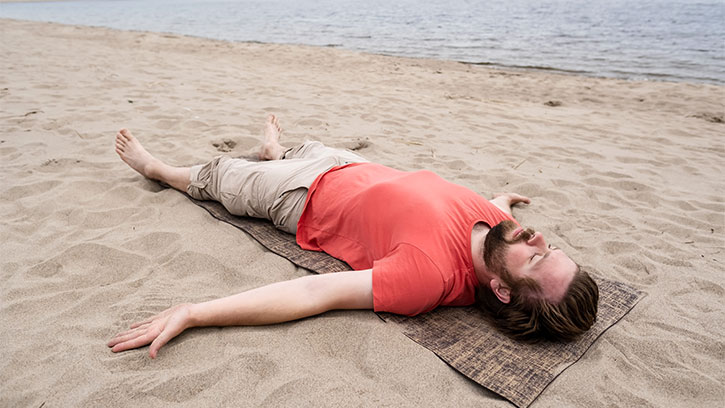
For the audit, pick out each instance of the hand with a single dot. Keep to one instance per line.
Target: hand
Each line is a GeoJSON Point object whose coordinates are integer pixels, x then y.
{"type": "Point", "coordinates": [511, 198]}
{"type": "Point", "coordinates": [157, 330]}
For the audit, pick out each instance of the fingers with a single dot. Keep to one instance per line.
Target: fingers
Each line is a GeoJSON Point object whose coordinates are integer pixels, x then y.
{"type": "Point", "coordinates": [174, 326]}
{"type": "Point", "coordinates": [143, 339]}
{"type": "Point", "coordinates": [143, 322]}
{"type": "Point", "coordinates": [160, 341]}
{"type": "Point", "coordinates": [157, 330]}
{"type": "Point", "coordinates": [127, 335]}
{"type": "Point", "coordinates": [147, 321]}
{"type": "Point", "coordinates": [124, 333]}
{"type": "Point", "coordinates": [136, 330]}
{"type": "Point", "coordinates": [134, 327]}
{"type": "Point", "coordinates": [512, 198]}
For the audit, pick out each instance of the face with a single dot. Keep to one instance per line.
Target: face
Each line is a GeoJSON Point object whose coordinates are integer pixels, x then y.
{"type": "Point", "coordinates": [526, 254]}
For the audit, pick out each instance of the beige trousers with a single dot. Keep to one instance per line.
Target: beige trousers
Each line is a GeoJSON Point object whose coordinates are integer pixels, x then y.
{"type": "Point", "coordinates": [275, 190]}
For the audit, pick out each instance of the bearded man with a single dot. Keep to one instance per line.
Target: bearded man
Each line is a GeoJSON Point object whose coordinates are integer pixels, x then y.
{"type": "Point", "coordinates": [414, 241]}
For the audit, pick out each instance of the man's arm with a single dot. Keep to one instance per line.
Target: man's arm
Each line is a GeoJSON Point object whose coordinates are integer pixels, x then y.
{"type": "Point", "coordinates": [275, 303]}
{"type": "Point", "coordinates": [504, 201]}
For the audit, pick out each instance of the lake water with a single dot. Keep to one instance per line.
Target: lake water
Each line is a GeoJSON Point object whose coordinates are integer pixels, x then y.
{"type": "Point", "coordinates": [673, 40]}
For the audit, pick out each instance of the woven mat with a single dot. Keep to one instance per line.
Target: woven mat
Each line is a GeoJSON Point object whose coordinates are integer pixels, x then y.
{"type": "Point", "coordinates": [461, 336]}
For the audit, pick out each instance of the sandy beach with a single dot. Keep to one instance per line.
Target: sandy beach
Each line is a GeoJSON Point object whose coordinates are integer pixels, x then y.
{"type": "Point", "coordinates": [625, 176]}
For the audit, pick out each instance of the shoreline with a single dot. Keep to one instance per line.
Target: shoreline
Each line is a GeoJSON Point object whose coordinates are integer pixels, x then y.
{"type": "Point", "coordinates": [493, 65]}
{"type": "Point", "coordinates": [623, 175]}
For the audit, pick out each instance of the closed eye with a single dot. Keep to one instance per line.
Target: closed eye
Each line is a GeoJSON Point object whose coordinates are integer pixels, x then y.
{"type": "Point", "coordinates": [550, 247]}
{"type": "Point", "coordinates": [532, 256]}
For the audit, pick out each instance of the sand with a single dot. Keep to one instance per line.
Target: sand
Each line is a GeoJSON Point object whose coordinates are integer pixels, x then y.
{"type": "Point", "coordinates": [625, 176]}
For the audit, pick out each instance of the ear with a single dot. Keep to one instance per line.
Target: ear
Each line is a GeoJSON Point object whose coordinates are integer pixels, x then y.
{"type": "Point", "coordinates": [502, 292]}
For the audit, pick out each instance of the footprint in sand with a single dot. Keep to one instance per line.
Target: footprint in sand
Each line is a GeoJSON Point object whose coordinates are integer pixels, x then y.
{"type": "Point", "coordinates": [355, 145]}
{"type": "Point", "coordinates": [458, 165]}
{"type": "Point", "coordinates": [312, 123]}
{"type": "Point", "coordinates": [710, 117]}
{"type": "Point", "coordinates": [166, 124]}
{"type": "Point", "coordinates": [224, 145]}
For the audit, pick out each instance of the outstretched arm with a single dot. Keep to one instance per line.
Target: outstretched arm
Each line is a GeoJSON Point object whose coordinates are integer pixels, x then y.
{"type": "Point", "coordinates": [275, 303]}
{"type": "Point", "coordinates": [505, 201]}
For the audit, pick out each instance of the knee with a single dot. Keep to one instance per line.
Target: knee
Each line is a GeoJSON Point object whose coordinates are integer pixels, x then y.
{"type": "Point", "coordinates": [205, 179]}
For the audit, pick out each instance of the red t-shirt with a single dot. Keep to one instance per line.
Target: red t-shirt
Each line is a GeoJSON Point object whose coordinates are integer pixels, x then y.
{"type": "Point", "coordinates": [412, 228]}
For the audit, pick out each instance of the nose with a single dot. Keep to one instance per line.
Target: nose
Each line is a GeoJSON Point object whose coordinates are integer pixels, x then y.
{"type": "Point", "coordinates": [537, 240]}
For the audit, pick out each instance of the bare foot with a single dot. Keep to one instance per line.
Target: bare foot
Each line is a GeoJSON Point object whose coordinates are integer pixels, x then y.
{"type": "Point", "coordinates": [271, 149]}
{"type": "Point", "coordinates": [133, 153]}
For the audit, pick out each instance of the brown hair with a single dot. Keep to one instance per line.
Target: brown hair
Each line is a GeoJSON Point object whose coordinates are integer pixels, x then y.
{"type": "Point", "coordinates": [528, 317]}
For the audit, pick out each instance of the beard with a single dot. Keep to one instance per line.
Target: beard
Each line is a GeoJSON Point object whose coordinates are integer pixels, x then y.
{"type": "Point", "coordinates": [496, 244]}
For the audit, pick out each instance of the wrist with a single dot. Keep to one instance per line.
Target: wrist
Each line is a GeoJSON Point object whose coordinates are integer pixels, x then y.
{"type": "Point", "coordinates": [194, 315]}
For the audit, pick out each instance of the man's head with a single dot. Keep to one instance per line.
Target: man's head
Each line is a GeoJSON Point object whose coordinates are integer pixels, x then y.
{"type": "Point", "coordinates": [536, 291]}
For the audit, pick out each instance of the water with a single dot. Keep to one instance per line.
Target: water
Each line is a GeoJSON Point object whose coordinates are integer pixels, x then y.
{"type": "Point", "coordinates": [673, 40]}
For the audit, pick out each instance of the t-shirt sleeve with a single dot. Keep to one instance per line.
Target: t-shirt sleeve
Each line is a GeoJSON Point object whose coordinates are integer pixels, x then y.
{"type": "Point", "coordinates": [406, 282]}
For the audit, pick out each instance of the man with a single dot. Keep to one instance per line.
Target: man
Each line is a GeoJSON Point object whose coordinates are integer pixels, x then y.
{"type": "Point", "coordinates": [415, 242]}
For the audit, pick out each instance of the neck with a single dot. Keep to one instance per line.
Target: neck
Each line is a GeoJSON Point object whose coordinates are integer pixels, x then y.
{"type": "Point", "coordinates": [478, 237]}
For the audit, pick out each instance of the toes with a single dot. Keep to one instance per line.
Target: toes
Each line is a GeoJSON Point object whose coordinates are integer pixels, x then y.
{"type": "Point", "coordinates": [274, 121]}
{"type": "Point", "coordinates": [126, 134]}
